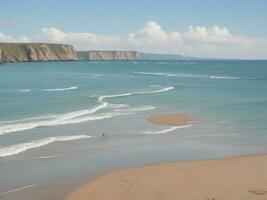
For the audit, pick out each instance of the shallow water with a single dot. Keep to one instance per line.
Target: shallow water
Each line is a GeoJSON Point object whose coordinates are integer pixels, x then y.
{"type": "Point", "coordinates": [53, 115]}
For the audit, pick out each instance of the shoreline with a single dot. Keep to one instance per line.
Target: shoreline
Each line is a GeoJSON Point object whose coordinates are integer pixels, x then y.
{"type": "Point", "coordinates": [231, 178]}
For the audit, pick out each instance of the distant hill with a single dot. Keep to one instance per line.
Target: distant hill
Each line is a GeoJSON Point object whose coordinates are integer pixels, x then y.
{"type": "Point", "coordinates": [155, 56]}
{"type": "Point", "coordinates": [158, 56]}
{"type": "Point", "coordinates": [108, 55]}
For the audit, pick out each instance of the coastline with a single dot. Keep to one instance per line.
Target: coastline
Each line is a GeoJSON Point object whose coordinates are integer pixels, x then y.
{"type": "Point", "coordinates": [231, 178]}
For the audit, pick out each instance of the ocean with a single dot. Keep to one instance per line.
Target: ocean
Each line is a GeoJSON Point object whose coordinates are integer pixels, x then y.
{"type": "Point", "coordinates": [53, 116]}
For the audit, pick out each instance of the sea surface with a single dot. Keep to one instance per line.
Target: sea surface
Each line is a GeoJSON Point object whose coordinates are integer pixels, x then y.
{"type": "Point", "coordinates": [62, 123]}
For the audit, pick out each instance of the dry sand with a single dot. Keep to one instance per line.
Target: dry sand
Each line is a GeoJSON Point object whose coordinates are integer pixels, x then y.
{"type": "Point", "coordinates": [171, 119]}
{"type": "Point", "coordinates": [237, 178]}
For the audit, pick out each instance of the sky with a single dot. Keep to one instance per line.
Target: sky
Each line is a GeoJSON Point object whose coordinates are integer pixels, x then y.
{"type": "Point", "coordinates": [204, 28]}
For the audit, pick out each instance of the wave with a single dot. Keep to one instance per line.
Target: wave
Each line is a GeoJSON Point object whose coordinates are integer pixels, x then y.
{"type": "Point", "coordinates": [169, 74]}
{"type": "Point", "coordinates": [165, 130]}
{"type": "Point", "coordinates": [164, 89]}
{"type": "Point", "coordinates": [18, 148]}
{"type": "Point", "coordinates": [79, 116]}
{"type": "Point", "coordinates": [17, 189]}
{"type": "Point", "coordinates": [68, 118]}
{"type": "Point", "coordinates": [161, 63]}
{"type": "Point", "coordinates": [155, 73]}
{"type": "Point", "coordinates": [59, 89]}
{"type": "Point", "coordinates": [52, 120]}
{"type": "Point", "coordinates": [187, 75]}
{"type": "Point", "coordinates": [51, 90]}
{"type": "Point", "coordinates": [137, 109]}
{"type": "Point", "coordinates": [224, 77]}
{"type": "Point", "coordinates": [25, 90]}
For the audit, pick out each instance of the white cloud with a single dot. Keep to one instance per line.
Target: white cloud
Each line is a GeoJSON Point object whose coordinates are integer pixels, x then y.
{"type": "Point", "coordinates": [9, 38]}
{"type": "Point", "coordinates": [208, 35]}
{"type": "Point", "coordinates": [82, 41]}
{"type": "Point", "coordinates": [153, 34]}
{"type": "Point", "coordinates": [202, 41]}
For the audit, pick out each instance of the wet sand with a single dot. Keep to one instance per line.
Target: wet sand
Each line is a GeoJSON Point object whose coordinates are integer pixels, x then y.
{"type": "Point", "coordinates": [236, 178]}
{"type": "Point", "coordinates": [170, 119]}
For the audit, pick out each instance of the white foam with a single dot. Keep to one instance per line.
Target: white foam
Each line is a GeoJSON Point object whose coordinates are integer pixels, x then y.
{"type": "Point", "coordinates": [78, 116]}
{"type": "Point", "coordinates": [155, 73]}
{"type": "Point", "coordinates": [18, 148]}
{"type": "Point", "coordinates": [137, 109]}
{"type": "Point", "coordinates": [224, 77]}
{"type": "Point", "coordinates": [17, 189]}
{"type": "Point", "coordinates": [169, 74]}
{"type": "Point", "coordinates": [117, 105]}
{"type": "Point", "coordinates": [186, 75]}
{"type": "Point", "coordinates": [52, 120]}
{"type": "Point", "coordinates": [25, 90]}
{"type": "Point", "coordinates": [60, 89]}
{"type": "Point", "coordinates": [161, 63]}
{"type": "Point", "coordinates": [164, 89]}
{"type": "Point", "coordinates": [150, 132]}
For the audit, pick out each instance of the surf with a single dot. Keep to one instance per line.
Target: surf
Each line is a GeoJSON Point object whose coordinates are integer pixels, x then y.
{"type": "Point", "coordinates": [163, 89]}
{"type": "Point", "coordinates": [186, 75]}
{"type": "Point", "coordinates": [60, 89]}
{"type": "Point", "coordinates": [224, 77]}
{"type": "Point", "coordinates": [19, 148]}
{"type": "Point", "coordinates": [164, 131]}
{"type": "Point", "coordinates": [81, 115]}
{"type": "Point", "coordinates": [51, 120]}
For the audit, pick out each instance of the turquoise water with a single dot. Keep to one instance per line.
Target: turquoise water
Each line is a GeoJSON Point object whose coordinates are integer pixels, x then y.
{"type": "Point", "coordinates": [53, 115]}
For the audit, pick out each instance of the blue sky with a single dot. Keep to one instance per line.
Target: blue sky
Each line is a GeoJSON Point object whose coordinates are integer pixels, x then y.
{"type": "Point", "coordinates": [245, 17]}
{"type": "Point", "coordinates": [121, 17]}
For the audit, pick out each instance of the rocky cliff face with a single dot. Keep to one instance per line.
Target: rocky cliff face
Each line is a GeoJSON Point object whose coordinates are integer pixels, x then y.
{"type": "Point", "coordinates": [108, 55]}
{"type": "Point", "coordinates": [30, 52]}
{"type": "Point", "coordinates": [27, 52]}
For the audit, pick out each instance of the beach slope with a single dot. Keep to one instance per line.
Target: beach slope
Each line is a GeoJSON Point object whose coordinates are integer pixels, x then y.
{"type": "Point", "coordinates": [237, 178]}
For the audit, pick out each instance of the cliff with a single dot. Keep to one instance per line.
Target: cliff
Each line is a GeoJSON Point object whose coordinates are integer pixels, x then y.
{"type": "Point", "coordinates": [108, 55]}
{"type": "Point", "coordinates": [28, 52]}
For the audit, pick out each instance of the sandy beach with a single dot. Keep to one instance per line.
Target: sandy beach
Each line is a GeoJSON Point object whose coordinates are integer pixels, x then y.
{"type": "Point", "coordinates": [233, 178]}
{"type": "Point", "coordinates": [170, 119]}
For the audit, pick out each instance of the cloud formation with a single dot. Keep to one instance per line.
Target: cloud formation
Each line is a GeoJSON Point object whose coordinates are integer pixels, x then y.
{"type": "Point", "coordinates": [201, 41]}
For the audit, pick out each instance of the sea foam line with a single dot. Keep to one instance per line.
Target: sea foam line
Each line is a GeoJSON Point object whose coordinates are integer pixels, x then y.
{"type": "Point", "coordinates": [52, 120]}
{"type": "Point", "coordinates": [60, 89]}
{"type": "Point", "coordinates": [164, 89]}
{"type": "Point", "coordinates": [224, 77]}
{"type": "Point", "coordinates": [167, 130]}
{"type": "Point", "coordinates": [186, 75]}
{"type": "Point", "coordinates": [17, 189]}
{"type": "Point", "coordinates": [77, 116]}
{"type": "Point", "coordinates": [137, 109]}
{"type": "Point", "coordinates": [51, 90]}
{"type": "Point", "coordinates": [169, 74]}
{"type": "Point", "coordinates": [25, 90]}
{"type": "Point", "coordinates": [18, 148]}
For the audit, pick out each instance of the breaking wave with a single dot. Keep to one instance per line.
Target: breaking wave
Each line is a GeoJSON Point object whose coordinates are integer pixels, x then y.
{"type": "Point", "coordinates": [52, 120]}
{"type": "Point", "coordinates": [81, 115]}
{"type": "Point", "coordinates": [167, 130]}
{"type": "Point", "coordinates": [186, 75]}
{"type": "Point", "coordinates": [60, 89]}
{"type": "Point", "coordinates": [18, 148]}
{"type": "Point", "coordinates": [224, 77]}
{"type": "Point", "coordinates": [164, 89]}
{"type": "Point", "coordinates": [25, 90]}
